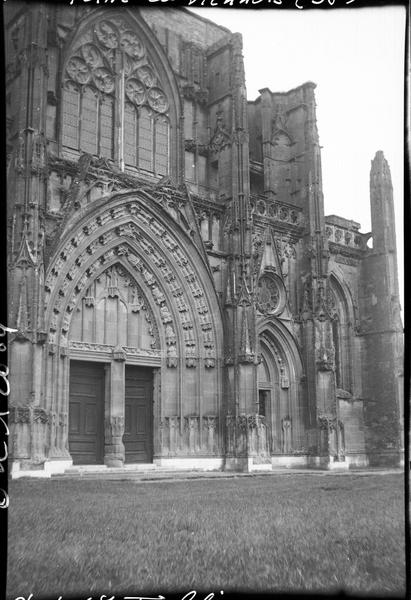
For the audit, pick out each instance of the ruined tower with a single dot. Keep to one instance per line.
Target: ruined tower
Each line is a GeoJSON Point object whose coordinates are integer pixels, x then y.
{"type": "Point", "coordinates": [381, 326]}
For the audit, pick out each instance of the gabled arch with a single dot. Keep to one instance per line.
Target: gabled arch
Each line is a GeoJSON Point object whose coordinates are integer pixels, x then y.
{"type": "Point", "coordinates": [281, 144]}
{"type": "Point", "coordinates": [136, 232]}
{"type": "Point", "coordinates": [285, 344]}
{"type": "Point", "coordinates": [128, 225]}
{"type": "Point", "coordinates": [266, 375]}
{"type": "Point", "coordinates": [343, 296]}
{"type": "Point", "coordinates": [280, 137]}
{"type": "Point", "coordinates": [284, 366]}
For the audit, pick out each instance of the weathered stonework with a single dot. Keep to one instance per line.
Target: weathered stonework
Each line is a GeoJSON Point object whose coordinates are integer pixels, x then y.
{"type": "Point", "coordinates": [178, 292]}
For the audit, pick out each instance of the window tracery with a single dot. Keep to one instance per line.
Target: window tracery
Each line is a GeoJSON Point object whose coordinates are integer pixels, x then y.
{"type": "Point", "coordinates": [341, 332]}
{"type": "Point", "coordinates": [270, 296]}
{"type": "Point", "coordinates": [109, 75]}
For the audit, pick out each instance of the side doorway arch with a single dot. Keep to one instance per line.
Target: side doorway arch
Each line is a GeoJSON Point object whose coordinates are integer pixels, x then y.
{"type": "Point", "coordinates": [280, 391]}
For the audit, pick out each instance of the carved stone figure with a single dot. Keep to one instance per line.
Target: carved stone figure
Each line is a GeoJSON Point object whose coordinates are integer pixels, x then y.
{"type": "Point", "coordinates": [286, 435]}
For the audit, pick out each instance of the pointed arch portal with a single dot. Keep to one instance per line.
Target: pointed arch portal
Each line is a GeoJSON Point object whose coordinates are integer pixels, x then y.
{"type": "Point", "coordinates": [131, 307]}
{"type": "Point", "coordinates": [280, 393]}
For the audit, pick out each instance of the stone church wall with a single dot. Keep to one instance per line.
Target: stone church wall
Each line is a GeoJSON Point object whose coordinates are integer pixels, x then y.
{"type": "Point", "coordinates": [168, 243]}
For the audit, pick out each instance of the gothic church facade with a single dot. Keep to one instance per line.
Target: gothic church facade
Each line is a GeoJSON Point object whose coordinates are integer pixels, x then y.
{"type": "Point", "coordinates": [179, 297]}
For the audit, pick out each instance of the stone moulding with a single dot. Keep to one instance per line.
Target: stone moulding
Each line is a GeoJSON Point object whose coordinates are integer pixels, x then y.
{"type": "Point", "coordinates": [145, 222]}
{"type": "Point", "coordinates": [82, 350]}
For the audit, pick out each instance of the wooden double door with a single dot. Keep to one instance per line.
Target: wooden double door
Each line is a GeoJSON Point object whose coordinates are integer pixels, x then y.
{"type": "Point", "coordinates": [87, 407]}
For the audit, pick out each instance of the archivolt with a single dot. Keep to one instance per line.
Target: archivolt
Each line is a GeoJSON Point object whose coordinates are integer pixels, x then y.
{"type": "Point", "coordinates": [149, 244]}
{"type": "Point", "coordinates": [281, 342]}
{"type": "Point", "coordinates": [345, 308]}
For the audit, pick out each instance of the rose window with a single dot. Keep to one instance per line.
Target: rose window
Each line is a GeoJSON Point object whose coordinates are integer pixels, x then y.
{"type": "Point", "coordinates": [268, 294]}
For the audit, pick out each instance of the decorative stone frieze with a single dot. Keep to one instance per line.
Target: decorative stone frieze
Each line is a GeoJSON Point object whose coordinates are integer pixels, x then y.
{"type": "Point", "coordinates": [198, 436]}
{"type": "Point", "coordinates": [268, 210]}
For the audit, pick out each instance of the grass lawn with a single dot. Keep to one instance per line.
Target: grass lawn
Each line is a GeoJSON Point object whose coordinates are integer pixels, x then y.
{"type": "Point", "coordinates": [271, 533]}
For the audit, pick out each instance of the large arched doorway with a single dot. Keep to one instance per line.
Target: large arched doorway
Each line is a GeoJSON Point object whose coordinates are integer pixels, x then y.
{"type": "Point", "coordinates": [280, 393]}
{"type": "Point", "coordinates": [114, 353]}
{"type": "Point", "coordinates": [131, 309]}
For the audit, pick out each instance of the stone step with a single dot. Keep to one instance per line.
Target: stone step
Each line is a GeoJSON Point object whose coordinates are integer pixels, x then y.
{"type": "Point", "coordinates": [84, 469]}
{"type": "Point", "coordinates": [187, 475]}
{"type": "Point", "coordinates": [131, 471]}
{"type": "Point", "coordinates": [152, 472]}
{"type": "Point", "coordinates": [127, 475]}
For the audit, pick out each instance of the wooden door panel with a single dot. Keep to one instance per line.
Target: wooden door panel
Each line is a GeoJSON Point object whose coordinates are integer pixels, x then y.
{"type": "Point", "coordinates": [74, 424]}
{"type": "Point", "coordinates": [138, 415]}
{"type": "Point", "coordinates": [86, 413]}
{"type": "Point", "coordinates": [141, 420]}
{"type": "Point", "coordinates": [127, 419]}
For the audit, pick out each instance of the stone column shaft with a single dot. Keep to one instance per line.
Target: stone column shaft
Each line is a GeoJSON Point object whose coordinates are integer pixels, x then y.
{"type": "Point", "coordinates": [114, 452]}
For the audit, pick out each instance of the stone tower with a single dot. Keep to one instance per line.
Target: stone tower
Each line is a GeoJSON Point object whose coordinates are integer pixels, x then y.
{"type": "Point", "coordinates": [381, 325]}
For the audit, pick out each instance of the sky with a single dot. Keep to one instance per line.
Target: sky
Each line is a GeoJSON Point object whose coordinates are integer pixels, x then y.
{"type": "Point", "coordinates": [356, 58]}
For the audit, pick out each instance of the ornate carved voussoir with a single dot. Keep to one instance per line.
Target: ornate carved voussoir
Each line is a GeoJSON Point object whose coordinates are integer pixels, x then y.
{"type": "Point", "coordinates": [64, 351]}
{"type": "Point", "coordinates": [40, 415]}
{"type": "Point", "coordinates": [172, 359]}
{"type": "Point", "coordinates": [327, 422]}
{"type": "Point", "coordinates": [19, 414]}
{"type": "Point", "coordinates": [210, 422]}
{"type": "Point", "coordinates": [191, 362]}
{"type": "Point", "coordinates": [326, 359]}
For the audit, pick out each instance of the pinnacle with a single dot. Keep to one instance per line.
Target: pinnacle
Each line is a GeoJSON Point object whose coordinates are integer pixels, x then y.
{"type": "Point", "coordinates": [380, 169]}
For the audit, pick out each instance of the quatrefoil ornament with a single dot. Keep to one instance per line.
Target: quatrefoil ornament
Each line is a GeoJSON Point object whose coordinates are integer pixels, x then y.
{"type": "Point", "coordinates": [131, 45]}
{"type": "Point", "coordinates": [78, 70]}
{"type": "Point", "coordinates": [157, 99]}
{"type": "Point", "coordinates": [104, 80]}
{"type": "Point", "coordinates": [135, 91]}
{"type": "Point", "coordinates": [91, 55]}
{"type": "Point", "coordinates": [106, 35]}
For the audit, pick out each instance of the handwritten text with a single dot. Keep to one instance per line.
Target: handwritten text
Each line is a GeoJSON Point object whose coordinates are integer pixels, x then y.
{"type": "Point", "coordinates": [4, 391]}
{"type": "Point", "coordinates": [300, 4]}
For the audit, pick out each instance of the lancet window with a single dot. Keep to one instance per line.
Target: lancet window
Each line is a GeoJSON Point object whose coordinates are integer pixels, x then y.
{"type": "Point", "coordinates": [341, 331]}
